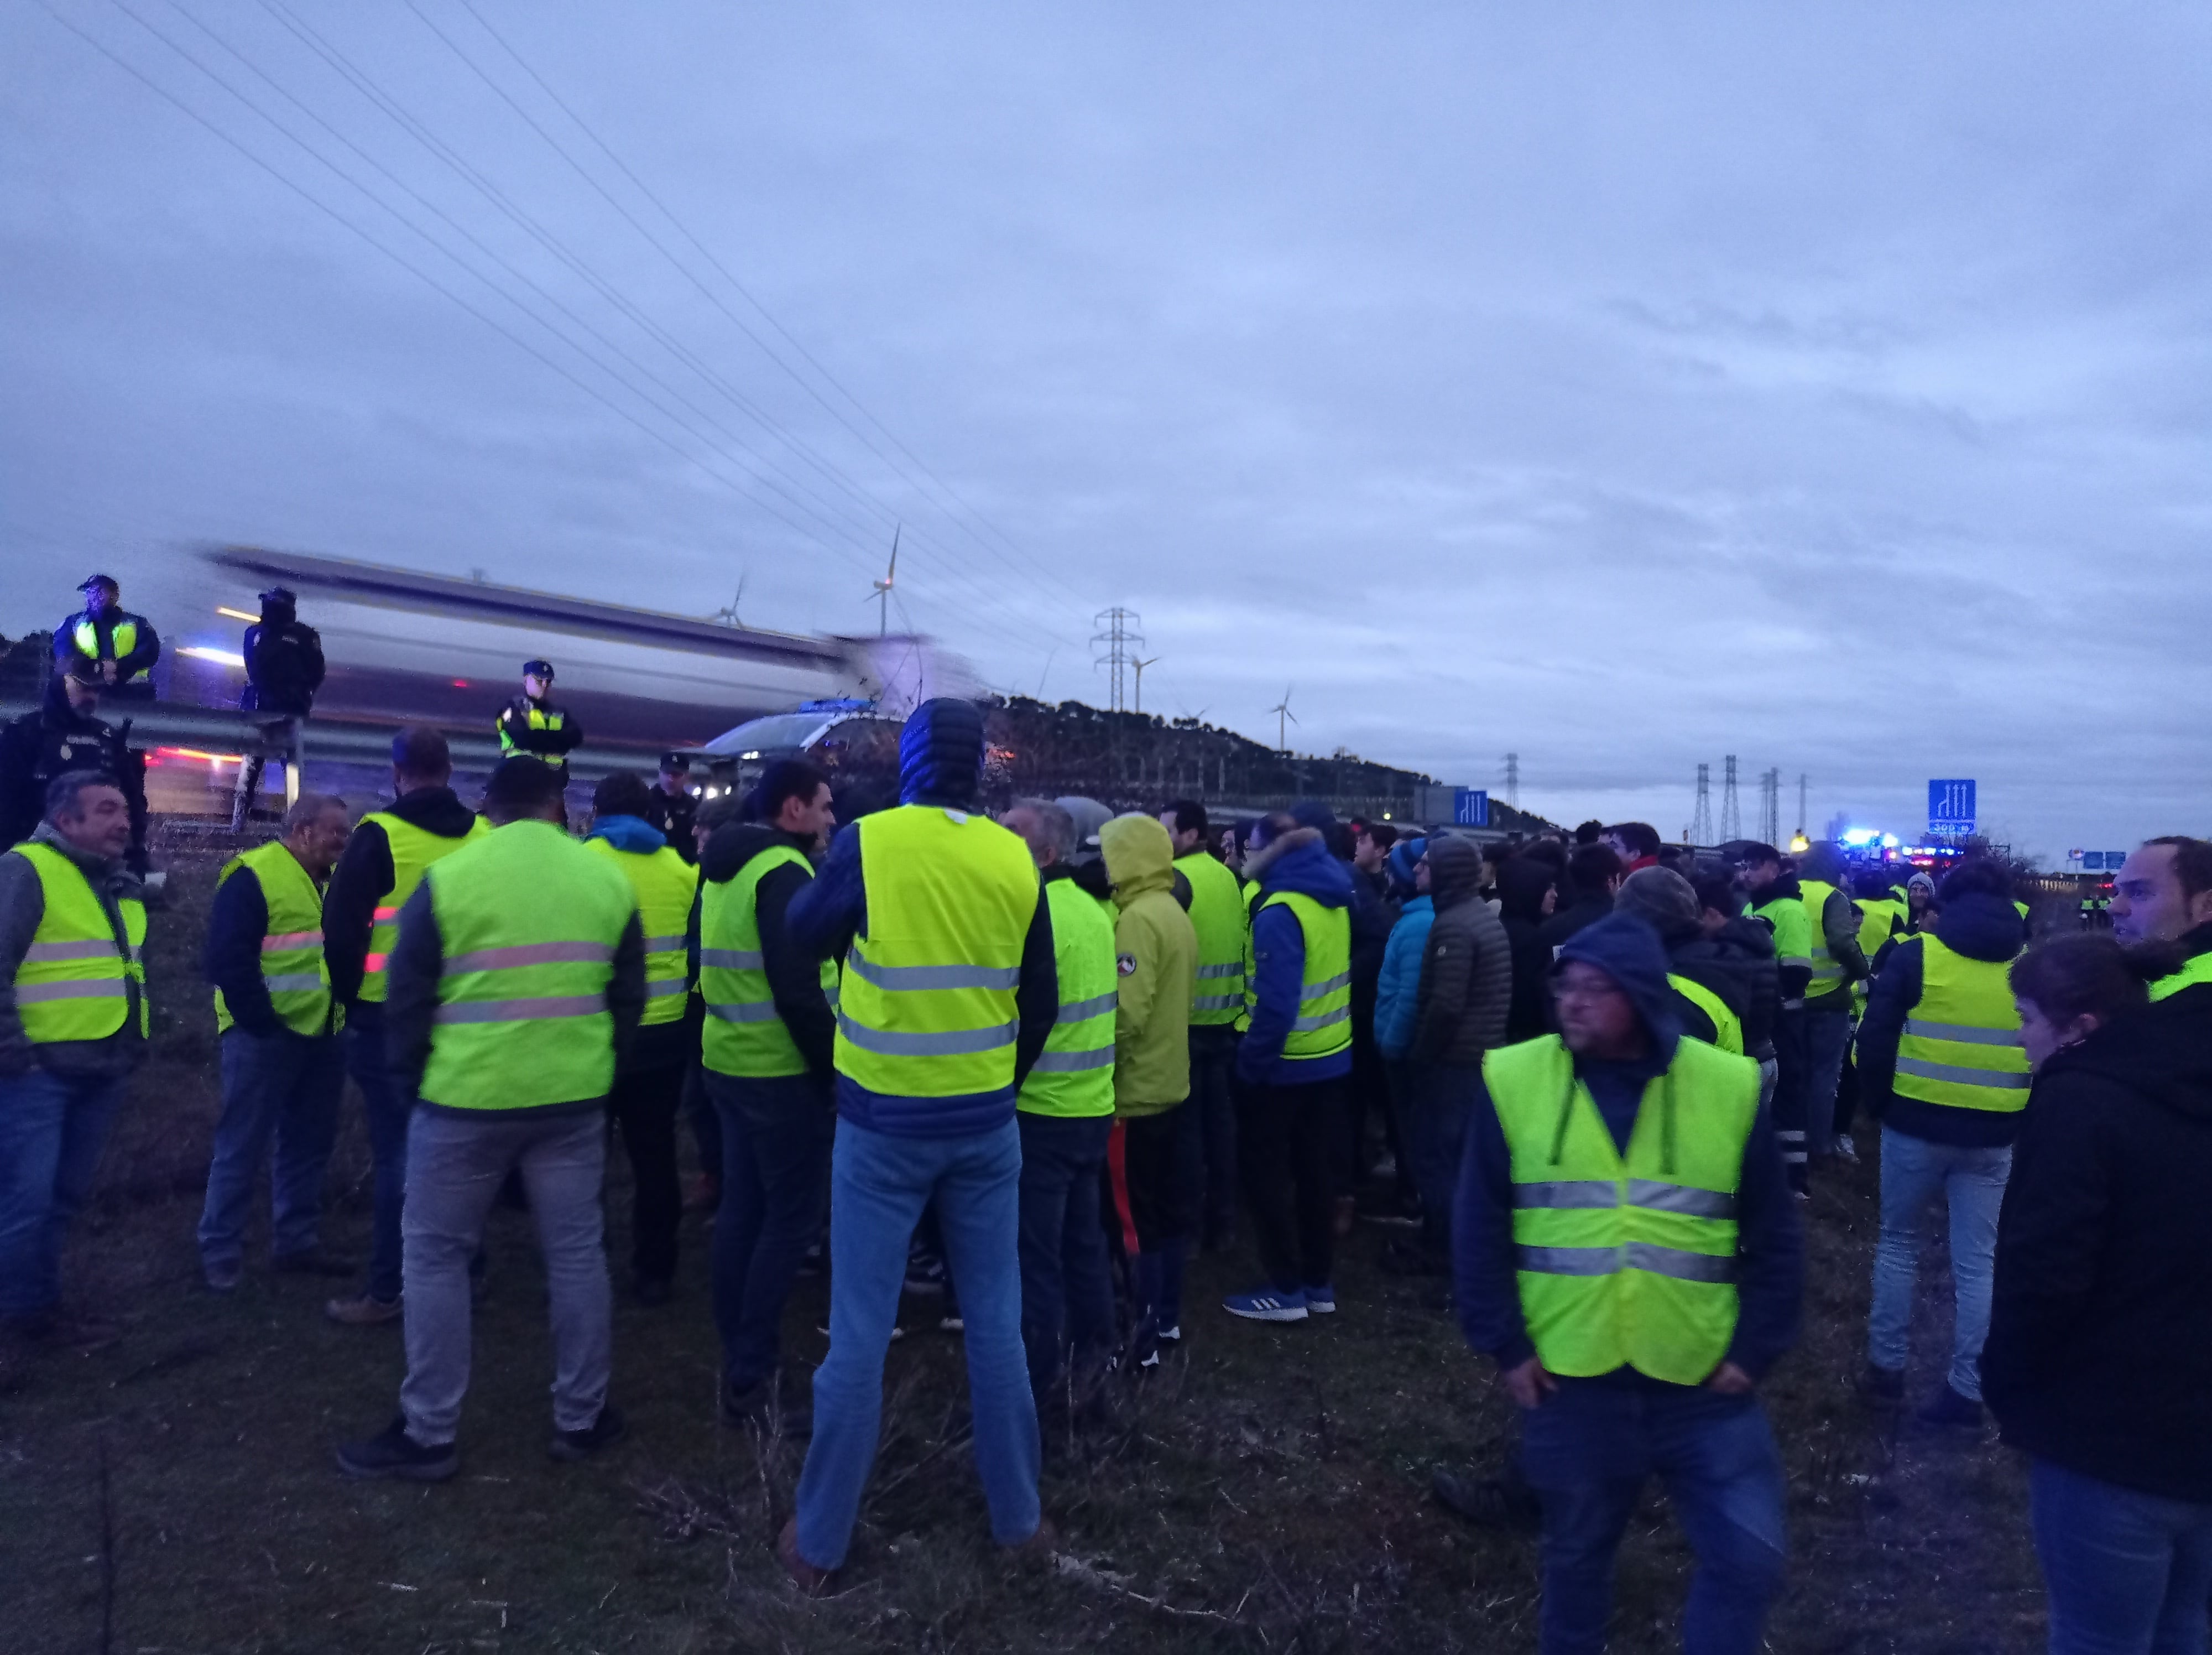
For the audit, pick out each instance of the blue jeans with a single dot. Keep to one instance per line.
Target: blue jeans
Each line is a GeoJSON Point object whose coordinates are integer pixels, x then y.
{"type": "Point", "coordinates": [1827, 1037]}
{"type": "Point", "coordinates": [775, 1137]}
{"type": "Point", "coordinates": [2127, 1573]}
{"type": "Point", "coordinates": [1586, 1451]}
{"type": "Point", "coordinates": [1067, 1283]}
{"type": "Point", "coordinates": [283, 1087]}
{"type": "Point", "coordinates": [52, 1132]}
{"type": "Point", "coordinates": [1444, 1098]}
{"type": "Point", "coordinates": [1913, 1173]}
{"type": "Point", "coordinates": [878, 1184]}
{"type": "Point", "coordinates": [385, 1107]}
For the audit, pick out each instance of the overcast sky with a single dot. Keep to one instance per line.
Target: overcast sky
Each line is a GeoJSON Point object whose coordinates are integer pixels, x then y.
{"type": "Point", "coordinates": [1622, 387]}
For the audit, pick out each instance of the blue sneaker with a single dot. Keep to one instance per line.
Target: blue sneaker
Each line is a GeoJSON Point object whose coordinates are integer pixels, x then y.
{"type": "Point", "coordinates": [1268, 1305]}
{"type": "Point", "coordinates": [1322, 1301]}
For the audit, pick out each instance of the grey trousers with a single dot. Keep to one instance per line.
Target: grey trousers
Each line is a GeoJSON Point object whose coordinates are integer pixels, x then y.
{"type": "Point", "coordinates": [455, 1166]}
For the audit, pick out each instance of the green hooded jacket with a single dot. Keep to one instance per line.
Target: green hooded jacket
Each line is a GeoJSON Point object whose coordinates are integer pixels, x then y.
{"type": "Point", "coordinates": [1156, 954]}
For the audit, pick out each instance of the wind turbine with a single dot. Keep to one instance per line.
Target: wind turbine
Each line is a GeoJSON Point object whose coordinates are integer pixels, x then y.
{"type": "Point", "coordinates": [1282, 709]}
{"type": "Point", "coordinates": [1140, 666]}
{"type": "Point", "coordinates": [727, 615]}
{"type": "Point", "coordinates": [882, 595]}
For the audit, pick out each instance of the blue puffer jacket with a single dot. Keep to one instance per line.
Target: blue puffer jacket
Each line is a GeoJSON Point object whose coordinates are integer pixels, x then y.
{"type": "Point", "coordinates": [1400, 995]}
{"type": "Point", "coordinates": [1299, 861]}
{"type": "Point", "coordinates": [940, 764]}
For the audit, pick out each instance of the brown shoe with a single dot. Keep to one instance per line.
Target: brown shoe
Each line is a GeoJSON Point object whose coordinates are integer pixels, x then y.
{"type": "Point", "coordinates": [803, 1575]}
{"type": "Point", "coordinates": [1038, 1550]}
{"type": "Point", "coordinates": [366, 1311]}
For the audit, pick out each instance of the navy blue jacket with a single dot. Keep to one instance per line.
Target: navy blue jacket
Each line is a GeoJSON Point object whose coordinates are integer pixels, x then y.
{"type": "Point", "coordinates": [1980, 927]}
{"type": "Point", "coordinates": [238, 920]}
{"type": "Point", "coordinates": [1299, 862]}
{"type": "Point", "coordinates": [940, 766]}
{"type": "Point", "coordinates": [1770, 1286]}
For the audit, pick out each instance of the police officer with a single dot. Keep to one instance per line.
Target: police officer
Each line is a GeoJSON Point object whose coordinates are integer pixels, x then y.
{"type": "Point", "coordinates": [64, 734]}
{"type": "Point", "coordinates": [1630, 1257]}
{"type": "Point", "coordinates": [282, 1066]}
{"type": "Point", "coordinates": [284, 668]}
{"type": "Point", "coordinates": [517, 982]}
{"type": "Point", "coordinates": [1218, 914]}
{"type": "Point", "coordinates": [531, 724]}
{"type": "Point", "coordinates": [120, 647]}
{"type": "Point", "coordinates": [672, 806]}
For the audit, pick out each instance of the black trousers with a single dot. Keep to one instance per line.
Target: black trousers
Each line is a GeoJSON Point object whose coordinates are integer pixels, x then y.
{"type": "Point", "coordinates": [1212, 1063]}
{"type": "Point", "coordinates": [642, 1106]}
{"type": "Point", "coordinates": [1288, 1140]}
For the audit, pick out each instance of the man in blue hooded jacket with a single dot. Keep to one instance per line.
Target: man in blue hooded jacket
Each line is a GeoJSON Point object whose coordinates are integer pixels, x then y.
{"type": "Point", "coordinates": [1590, 1440]}
{"type": "Point", "coordinates": [1291, 1099]}
{"type": "Point", "coordinates": [941, 879]}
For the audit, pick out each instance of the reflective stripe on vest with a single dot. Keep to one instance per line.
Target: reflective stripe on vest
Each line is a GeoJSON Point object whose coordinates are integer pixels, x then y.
{"type": "Point", "coordinates": [1217, 914]}
{"type": "Point", "coordinates": [1251, 895]}
{"type": "Point", "coordinates": [664, 884]}
{"type": "Point", "coordinates": [743, 1035]}
{"type": "Point", "coordinates": [539, 719]}
{"type": "Point", "coordinates": [1074, 1074]}
{"type": "Point", "coordinates": [1961, 1043]}
{"type": "Point", "coordinates": [415, 851]}
{"type": "Point", "coordinates": [1322, 1027]}
{"type": "Point", "coordinates": [1827, 969]}
{"type": "Point", "coordinates": [925, 1005]}
{"type": "Point", "coordinates": [2197, 968]}
{"type": "Point", "coordinates": [292, 967]}
{"type": "Point", "coordinates": [1727, 1027]}
{"type": "Point", "coordinates": [122, 639]}
{"type": "Point", "coordinates": [78, 975]}
{"type": "Point", "coordinates": [529, 921]}
{"type": "Point", "coordinates": [1626, 1260]}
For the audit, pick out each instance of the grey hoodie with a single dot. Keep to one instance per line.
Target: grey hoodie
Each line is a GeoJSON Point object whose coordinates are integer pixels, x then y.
{"type": "Point", "coordinates": [22, 905]}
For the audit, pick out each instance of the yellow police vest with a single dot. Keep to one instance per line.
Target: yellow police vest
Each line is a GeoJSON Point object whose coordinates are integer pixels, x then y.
{"type": "Point", "coordinates": [1073, 1076]}
{"type": "Point", "coordinates": [415, 851]}
{"type": "Point", "coordinates": [1727, 1027]}
{"type": "Point", "coordinates": [529, 921]}
{"type": "Point", "coordinates": [1827, 969]}
{"type": "Point", "coordinates": [78, 975]}
{"type": "Point", "coordinates": [926, 1003]}
{"type": "Point", "coordinates": [2197, 968]}
{"type": "Point", "coordinates": [1962, 1042]}
{"type": "Point", "coordinates": [1626, 1260]}
{"type": "Point", "coordinates": [292, 966]}
{"type": "Point", "coordinates": [664, 884]}
{"type": "Point", "coordinates": [122, 639]}
{"type": "Point", "coordinates": [1322, 1027]}
{"type": "Point", "coordinates": [540, 718]}
{"type": "Point", "coordinates": [1218, 914]}
{"type": "Point", "coordinates": [743, 1035]}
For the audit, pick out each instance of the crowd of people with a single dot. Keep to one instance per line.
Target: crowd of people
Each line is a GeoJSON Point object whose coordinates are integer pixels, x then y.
{"type": "Point", "coordinates": [1590, 1080]}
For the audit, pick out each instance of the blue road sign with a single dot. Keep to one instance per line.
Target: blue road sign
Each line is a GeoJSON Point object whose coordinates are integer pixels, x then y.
{"type": "Point", "coordinates": [1470, 807]}
{"type": "Point", "coordinates": [2104, 861]}
{"type": "Point", "coordinates": [1951, 807]}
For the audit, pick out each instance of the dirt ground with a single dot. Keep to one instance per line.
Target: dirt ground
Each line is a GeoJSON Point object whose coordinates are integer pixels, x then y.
{"type": "Point", "coordinates": [1267, 1491]}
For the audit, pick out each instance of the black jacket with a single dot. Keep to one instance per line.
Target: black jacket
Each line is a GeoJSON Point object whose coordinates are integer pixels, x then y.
{"type": "Point", "coordinates": [1585, 910]}
{"type": "Point", "coordinates": [2099, 1352]}
{"type": "Point", "coordinates": [363, 879]}
{"type": "Point", "coordinates": [552, 745]}
{"type": "Point", "coordinates": [1466, 965]}
{"type": "Point", "coordinates": [283, 664]}
{"type": "Point", "coordinates": [144, 653]}
{"type": "Point", "coordinates": [238, 920]}
{"type": "Point", "coordinates": [1979, 926]}
{"type": "Point", "coordinates": [38, 746]}
{"type": "Point", "coordinates": [795, 979]}
{"type": "Point", "coordinates": [1736, 963]}
{"type": "Point", "coordinates": [674, 817]}
{"type": "Point", "coordinates": [1521, 883]}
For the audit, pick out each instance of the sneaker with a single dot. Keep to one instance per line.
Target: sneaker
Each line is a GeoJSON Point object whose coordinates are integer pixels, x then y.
{"type": "Point", "coordinates": [1882, 1385]}
{"type": "Point", "coordinates": [1268, 1306]}
{"type": "Point", "coordinates": [223, 1277]}
{"type": "Point", "coordinates": [393, 1453]}
{"type": "Point", "coordinates": [1949, 1407]}
{"type": "Point", "coordinates": [573, 1445]}
{"type": "Point", "coordinates": [313, 1261]}
{"type": "Point", "coordinates": [1491, 1502]}
{"type": "Point", "coordinates": [808, 1579]}
{"type": "Point", "coordinates": [1321, 1300]}
{"type": "Point", "coordinates": [366, 1311]}
{"type": "Point", "coordinates": [1171, 1335]}
{"type": "Point", "coordinates": [925, 1274]}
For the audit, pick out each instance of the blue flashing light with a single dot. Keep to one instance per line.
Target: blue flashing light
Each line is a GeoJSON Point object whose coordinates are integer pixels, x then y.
{"type": "Point", "coordinates": [1861, 836]}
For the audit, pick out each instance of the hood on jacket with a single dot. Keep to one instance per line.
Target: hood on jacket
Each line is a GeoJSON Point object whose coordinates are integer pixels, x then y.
{"type": "Point", "coordinates": [1299, 861]}
{"type": "Point", "coordinates": [1980, 927]}
{"type": "Point", "coordinates": [1140, 856]}
{"type": "Point", "coordinates": [434, 810]}
{"type": "Point", "coordinates": [630, 833]}
{"type": "Point", "coordinates": [1664, 900]}
{"type": "Point", "coordinates": [941, 753]}
{"type": "Point", "coordinates": [1629, 951]}
{"type": "Point", "coordinates": [1747, 936]}
{"type": "Point", "coordinates": [1401, 862]}
{"type": "Point", "coordinates": [1454, 871]}
{"type": "Point", "coordinates": [1825, 861]}
{"type": "Point", "coordinates": [1521, 883]}
{"type": "Point", "coordinates": [2162, 1051]}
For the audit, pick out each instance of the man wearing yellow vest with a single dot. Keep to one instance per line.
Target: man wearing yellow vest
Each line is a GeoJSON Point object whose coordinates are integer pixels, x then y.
{"type": "Point", "coordinates": [1940, 1063]}
{"type": "Point", "coordinates": [1154, 1159]}
{"type": "Point", "coordinates": [2163, 894]}
{"type": "Point", "coordinates": [766, 1052]}
{"type": "Point", "coordinates": [1065, 1113]}
{"type": "Point", "coordinates": [517, 982]}
{"type": "Point", "coordinates": [1217, 914]}
{"type": "Point", "coordinates": [72, 1027]}
{"type": "Point", "coordinates": [531, 724]}
{"type": "Point", "coordinates": [1291, 1067]}
{"type": "Point", "coordinates": [119, 646]}
{"type": "Point", "coordinates": [1627, 1252]}
{"type": "Point", "coordinates": [650, 1083]}
{"type": "Point", "coordinates": [946, 996]}
{"type": "Point", "coordinates": [385, 858]}
{"type": "Point", "coordinates": [283, 1067]}
{"type": "Point", "coordinates": [1832, 927]}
